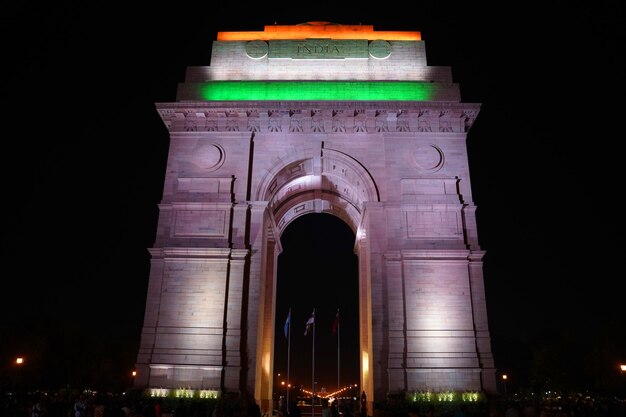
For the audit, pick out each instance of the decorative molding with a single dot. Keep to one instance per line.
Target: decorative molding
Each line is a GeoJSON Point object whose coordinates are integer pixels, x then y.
{"type": "Point", "coordinates": [319, 117]}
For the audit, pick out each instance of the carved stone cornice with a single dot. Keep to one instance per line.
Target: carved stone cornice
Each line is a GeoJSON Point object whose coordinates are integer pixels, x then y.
{"type": "Point", "coordinates": [319, 117]}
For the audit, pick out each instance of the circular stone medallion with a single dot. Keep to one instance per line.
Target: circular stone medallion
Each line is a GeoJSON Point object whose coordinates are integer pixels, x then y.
{"type": "Point", "coordinates": [428, 158]}
{"type": "Point", "coordinates": [256, 49]}
{"type": "Point", "coordinates": [209, 157]}
{"type": "Point", "coordinates": [380, 49]}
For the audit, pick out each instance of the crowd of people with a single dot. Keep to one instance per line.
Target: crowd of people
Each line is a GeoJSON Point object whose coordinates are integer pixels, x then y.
{"type": "Point", "coordinates": [89, 404]}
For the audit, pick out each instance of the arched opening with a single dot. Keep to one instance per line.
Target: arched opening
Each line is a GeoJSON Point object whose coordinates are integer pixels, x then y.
{"type": "Point", "coordinates": [317, 269]}
{"type": "Point", "coordinates": [323, 182]}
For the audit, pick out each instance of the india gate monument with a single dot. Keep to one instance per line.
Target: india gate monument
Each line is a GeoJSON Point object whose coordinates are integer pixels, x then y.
{"type": "Point", "coordinates": [316, 118]}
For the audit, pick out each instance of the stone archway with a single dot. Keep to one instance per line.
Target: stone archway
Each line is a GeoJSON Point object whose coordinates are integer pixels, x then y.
{"type": "Point", "coordinates": [325, 181]}
{"type": "Point", "coordinates": [266, 134]}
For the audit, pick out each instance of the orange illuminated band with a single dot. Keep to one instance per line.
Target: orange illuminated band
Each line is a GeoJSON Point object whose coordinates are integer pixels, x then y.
{"type": "Point", "coordinates": [318, 30]}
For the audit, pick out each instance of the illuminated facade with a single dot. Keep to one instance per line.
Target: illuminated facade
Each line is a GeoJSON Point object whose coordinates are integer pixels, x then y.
{"type": "Point", "coordinates": [317, 118]}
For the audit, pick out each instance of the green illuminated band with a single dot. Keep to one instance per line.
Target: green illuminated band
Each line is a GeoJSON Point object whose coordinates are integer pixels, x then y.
{"type": "Point", "coordinates": [317, 90]}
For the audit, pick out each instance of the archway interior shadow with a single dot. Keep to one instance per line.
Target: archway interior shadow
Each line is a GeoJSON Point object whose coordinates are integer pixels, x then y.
{"type": "Point", "coordinates": [317, 270]}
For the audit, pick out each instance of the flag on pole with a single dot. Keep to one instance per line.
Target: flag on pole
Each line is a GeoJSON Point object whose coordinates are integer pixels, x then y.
{"type": "Point", "coordinates": [336, 323]}
{"type": "Point", "coordinates": [309, 323]}
{"type": "Point", "coordinates": [287, 323]}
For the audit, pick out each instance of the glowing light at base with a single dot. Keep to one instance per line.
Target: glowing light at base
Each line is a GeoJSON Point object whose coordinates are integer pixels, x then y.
{"type": "Point", "coordinates": [317, 90]}
{"type": "Point", "coordinates": [447, 396]}
{"type": "Point", "coordinates": [183, 393]}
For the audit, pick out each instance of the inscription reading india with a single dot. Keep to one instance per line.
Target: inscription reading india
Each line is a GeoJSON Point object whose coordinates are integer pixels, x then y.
{"type": "Point", "coordinates": [318, 49]}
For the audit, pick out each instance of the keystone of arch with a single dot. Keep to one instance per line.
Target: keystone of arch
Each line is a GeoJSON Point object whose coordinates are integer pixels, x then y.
{"type": "Point", "coordinates": [331, 182]}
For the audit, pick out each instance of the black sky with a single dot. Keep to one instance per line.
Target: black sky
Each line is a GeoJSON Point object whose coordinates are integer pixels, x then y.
{"type": "Point", "coordinates": [84, 157]}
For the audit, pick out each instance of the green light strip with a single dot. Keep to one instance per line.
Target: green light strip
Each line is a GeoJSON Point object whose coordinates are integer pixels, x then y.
{"type": "Point", "coordinates": [317, 90]}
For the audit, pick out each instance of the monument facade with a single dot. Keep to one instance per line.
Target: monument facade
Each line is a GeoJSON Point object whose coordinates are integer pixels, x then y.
{"type": "Point", "coordinates": [317, 118]}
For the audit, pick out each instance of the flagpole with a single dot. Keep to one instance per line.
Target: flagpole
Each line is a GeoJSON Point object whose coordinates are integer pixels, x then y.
{"type": "Point", "coordinates": [338, 348]}
{"type": "Point", "coordinates": [288, 357]}
{"type": "Point", "coordinates": [313, 369]}
{"type": "Point", "coordinates": [310, 325]}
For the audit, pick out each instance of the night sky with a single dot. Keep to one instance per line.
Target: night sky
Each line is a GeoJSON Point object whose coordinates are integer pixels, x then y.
{"type": "Point", "coordinates": [83, 163]}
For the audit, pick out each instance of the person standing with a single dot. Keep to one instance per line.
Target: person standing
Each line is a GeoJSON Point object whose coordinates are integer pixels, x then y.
{"type": "Point", "coordinates": [334, 409]}
{"type": "Point", "coordinates": [80, 406]}
{"type": "Point", "coordinates": [35, 410]}
{"type": "Point", "coordinates": [325, 408]}
{"type": "Point", "coordinates": [363, 404]}
{"type": "Point", "coordinates": [158, 408]}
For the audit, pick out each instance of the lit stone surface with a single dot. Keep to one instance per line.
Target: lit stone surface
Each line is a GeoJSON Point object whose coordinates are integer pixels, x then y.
{"type": "Point", "coordinates": [396, 171]}
{"type": "Point", "coordinates": [208, 157]}
{"type": "Point", "coordinates": [257, 49]}
{"type": "Point", "coordinates": [379, 49]}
